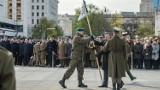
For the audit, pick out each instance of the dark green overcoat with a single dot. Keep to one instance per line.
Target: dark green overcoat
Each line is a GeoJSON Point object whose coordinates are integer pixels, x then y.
{"type": "Point", "coordinates": [117, 56]}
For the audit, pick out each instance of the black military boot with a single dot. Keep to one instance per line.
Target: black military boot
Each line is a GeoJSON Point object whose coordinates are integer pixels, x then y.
{"type": "Point", "coordinates": [114, 86]}
{"type": "Point", "coordinates": [62, 82]}
{"type": "Point", "coordinates": [118, 86]}
{"type": "Point", "coordinates": [122, 84]}
{"type": "Point", "coordinates": [81, 84]}
{"type": "Point", "coordinates": [131, 76]}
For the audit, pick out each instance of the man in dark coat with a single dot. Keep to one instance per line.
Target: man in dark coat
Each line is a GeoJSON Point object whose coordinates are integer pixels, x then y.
{"type": "Point", "coordinates": [51, 49]}
{"type": "Point", "coordinates": [117, 58]}
{"type": "Point", "coordinates": [104, 58]}
{"type": "Point", "coordinates": [14, 50]}
{"type": "Point", "coordinates": [21, 50]}
{"type": "Point", "coordinates": [26, 52]}
{"type": "Point", "coordinates": [0, 42]}
{"type": "Point", "coordinates": [31, 44]}
{"type": "Point", "coordinates": [137, 52]}
{"type": "Point", "coordinates": [69, 50]}
{"type": "Point", "coordinates": [6, 44]}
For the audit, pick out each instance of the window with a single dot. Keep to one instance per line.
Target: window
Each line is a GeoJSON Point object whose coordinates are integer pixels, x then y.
{"type": "Point", "coordinates": [37, 21]}
{"type": "Point", "coordinates": [37, 1]}
{"type": "Point", "coordinates": [42, 13]}
{"type": "Point", "coordinates": [42, 7]}
{"type": "Point", "coordinates": [32, 21]}
{"type": "Point", "coordinates": [32, 13]}
{"type": "Point", "coordinates": [42, 1]}
{"type": "Point", "coordinates": [37, 13]}
{"type": "Point", "coordinates": [32, 1]}
{"type": "Point", "coordinates": [37, 7]}
{"type": "Point", "coordinates": [18, 5]}
{"type": "Point", "coordinates": [32, 7]}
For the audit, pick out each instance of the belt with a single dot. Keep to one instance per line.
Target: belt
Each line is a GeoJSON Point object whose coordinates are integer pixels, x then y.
{"type": "Point", "coordinates": [113, 52]}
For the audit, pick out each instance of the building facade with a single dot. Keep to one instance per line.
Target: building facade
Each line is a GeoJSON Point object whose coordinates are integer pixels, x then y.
{"type": "Point", "coordinates": [66, 24]}
{"type": "Point", "coordinates": [20, 16]}
{"type": "Point", "coordinates": [146, 6]}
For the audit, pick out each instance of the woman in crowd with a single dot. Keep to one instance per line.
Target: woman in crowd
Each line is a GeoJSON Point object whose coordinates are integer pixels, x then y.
{"type": "Point", "coordinates": [155, 54]}
{"type": "Point", "coordinates": [147, 54]}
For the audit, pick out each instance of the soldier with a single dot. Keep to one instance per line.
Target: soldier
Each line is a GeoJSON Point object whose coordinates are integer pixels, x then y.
{"type": "Point", "coordinates": [104, 58]}
{"type": "Point", "coordinates": [43, 46]}
{"type": "Point", "coordinates": [117, 58]}
{"type": "Point", "coordinates": [92, 55]}
{"type": "Point", "coordinates": [128, 49]}
{"type": "Point", "coordinates": [62, 51]}
{"type": "Point", "coordinates": [36, 52]}
{"type": "Point", "coordinates": [7, 73]}
{"type": "Point", "coordinates": [77, 54]}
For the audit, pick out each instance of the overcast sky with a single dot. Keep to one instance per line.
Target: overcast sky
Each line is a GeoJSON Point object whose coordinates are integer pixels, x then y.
{"type": "Point", "coordinates": [69, 6]}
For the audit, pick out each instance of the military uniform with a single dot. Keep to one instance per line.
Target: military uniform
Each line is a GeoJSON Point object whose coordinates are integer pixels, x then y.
{"type": "Point", "coordinates": [43, 53]}
{"type": "Point", "coordinates": [7, 73]}
{"type": "Point", "coordinates": [62, 52]}
{"type": "Point", "coordinates": [92, 55]}
{"type": "Point", "coordinates": [117, 59]}
{"type": "Point", "coordinates": [36, 52]}
{"type": "Point", "coordinates": [77, 54]}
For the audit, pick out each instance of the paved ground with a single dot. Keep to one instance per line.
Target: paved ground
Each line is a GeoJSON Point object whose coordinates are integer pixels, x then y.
{"type": "Point", "coordinates": [36, 78]}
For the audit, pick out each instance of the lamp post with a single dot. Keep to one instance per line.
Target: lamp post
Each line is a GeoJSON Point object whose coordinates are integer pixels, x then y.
{"type": "Point", "coordinates": [44, 34]}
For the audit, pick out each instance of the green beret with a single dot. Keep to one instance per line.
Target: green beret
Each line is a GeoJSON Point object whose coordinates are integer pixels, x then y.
{"type": "Point", "coordinates": [80, 29]}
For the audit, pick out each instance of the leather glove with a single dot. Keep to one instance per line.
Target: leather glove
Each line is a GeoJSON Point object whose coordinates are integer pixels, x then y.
{"type": "Point", "coordinates": [92, 38]}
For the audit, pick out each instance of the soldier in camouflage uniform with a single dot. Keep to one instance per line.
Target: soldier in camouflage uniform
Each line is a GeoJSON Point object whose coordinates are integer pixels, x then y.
{"type": "Point", "coordinates": [77, 55]}
{"type": "Point", "coordinates": [7, 73]}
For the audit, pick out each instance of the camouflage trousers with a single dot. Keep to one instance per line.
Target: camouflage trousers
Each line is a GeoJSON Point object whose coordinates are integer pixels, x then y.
{"type": "Point", "coordinates": [80, 68]}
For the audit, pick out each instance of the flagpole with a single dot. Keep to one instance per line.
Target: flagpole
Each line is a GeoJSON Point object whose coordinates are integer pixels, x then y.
{"type": "Point", "coordinates": [90, 30]}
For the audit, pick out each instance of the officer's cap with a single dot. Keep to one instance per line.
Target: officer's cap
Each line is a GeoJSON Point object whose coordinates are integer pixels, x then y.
{"type": "Point", "coordinates": [106, 31]}
{"type": "Point", "coordinates": [124, 33]}
{"type": "Point", "coordinates": [116, 29]}
{"type": "Point", "coordinates": [80, 29]}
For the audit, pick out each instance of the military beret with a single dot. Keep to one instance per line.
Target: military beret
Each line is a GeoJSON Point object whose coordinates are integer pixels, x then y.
{"type": "Point", "coordinates": [80, 29]}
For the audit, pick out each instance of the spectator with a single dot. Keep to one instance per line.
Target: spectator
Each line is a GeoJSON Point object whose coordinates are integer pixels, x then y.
{"type": "Point", "coordinates": [147, 54]}
{"type": "Point", "coordinates": [138, 60]}
{"type": "Point", "coordinates": [155, 54]}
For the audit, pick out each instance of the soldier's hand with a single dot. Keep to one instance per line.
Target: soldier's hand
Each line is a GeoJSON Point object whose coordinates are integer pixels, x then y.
{"type": "Point", "coordinates": [93, 48]}
{"type": "Point", "coordinates": [97, 54]}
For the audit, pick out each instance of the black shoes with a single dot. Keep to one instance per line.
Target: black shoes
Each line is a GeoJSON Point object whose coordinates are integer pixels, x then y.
{"type": "Point", "coordinates": [105, 86]}
{"type": "Point", "coordinates": [114, 86]}
{"type": "Point", "coordinates": [81, 84]}
{"type": "Point", "coordinates": [62, 83]}
{"type": "Point", "coordinates": [133, 78]}
{"type": "Point", "coordinates": [118, 86]}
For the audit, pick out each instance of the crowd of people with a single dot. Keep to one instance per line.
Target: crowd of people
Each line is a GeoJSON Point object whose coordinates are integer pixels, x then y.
{"type": "Point", "coordinates": [29, 52]}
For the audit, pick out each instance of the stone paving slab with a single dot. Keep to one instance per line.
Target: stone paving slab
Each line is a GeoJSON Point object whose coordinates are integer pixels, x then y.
{"type": "Point", "coordinates": [37, 78]}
